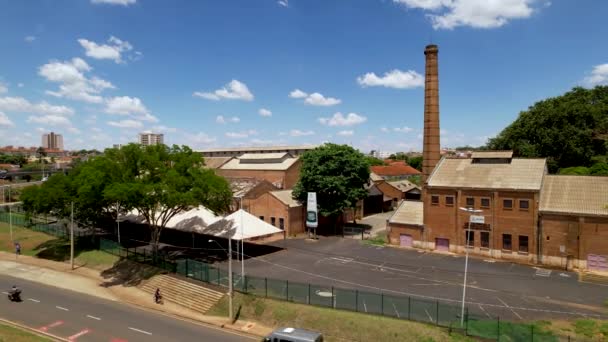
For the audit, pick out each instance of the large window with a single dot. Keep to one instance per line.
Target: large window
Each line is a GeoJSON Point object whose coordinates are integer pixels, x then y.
{"type": "Point", "coordinates": [469, 238]}
{"type": "Point", "coordinates": [506, 242]}
{"type": "Point", "coordinates": [485, 202]}
{"type": "Point", "coordinates": [524, 204]}
{"type": "Point", "coordinates": [449, 201]}
{"type": "Point", "coordinates": [273, 221]}
{"type": "Point", "coordinates": [282, 223]}
{"type": "Point", "coordinates": [470, 202]}
{"type": "Point", "coordinates": [507, 204]}
{"type": "Point", "coordinates": [485, 239]}
{"type": "Point", "coordinates": [435, 200]}
{"type": "Point", "coordinates": [523, 243]}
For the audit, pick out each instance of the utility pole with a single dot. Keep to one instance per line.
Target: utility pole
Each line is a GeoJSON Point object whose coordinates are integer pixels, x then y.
{"type": "Point", "coordinates": [10, 221]}
{"type": "Point", "coordinates": [72, 238]}
{"type": "Point", "coordinates": [230, 278]}
{"type": "Point", "coordinates": [118, 220]}
{"type": "Point", "coordinates": [471, 211]}
{"type": "Point", "coordinates": [242, 243]}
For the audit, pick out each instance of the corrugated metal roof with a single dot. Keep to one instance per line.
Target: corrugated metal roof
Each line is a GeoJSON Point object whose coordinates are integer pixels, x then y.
{"type": "Point", "coordinates": [272, 164]}
{"type": "Point", "coordinates": [578, 195]}
{"type": "Point", "coordinates": [259, 148]}
{"type": "Point", "coordinates": [215, 162]}
{"type": "Point", "coordinates": [492, 154]}
{"type": "Point", "coordinates": [285, 197]}
{"type": "Point", "coordinates": [409, 212]}
{"type": "Point", "coordinates": [262, 156]}
{"type": "Point", "coordinates": [519, 174]}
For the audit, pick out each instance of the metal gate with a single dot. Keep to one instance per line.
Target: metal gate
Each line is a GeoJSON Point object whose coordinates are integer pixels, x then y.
{"type": "Point", "coordinates": [405, 240]}
{"type": "Point", "coordinates": [596, 262]}
{"type": "Point", "coordinates": [442, 244]}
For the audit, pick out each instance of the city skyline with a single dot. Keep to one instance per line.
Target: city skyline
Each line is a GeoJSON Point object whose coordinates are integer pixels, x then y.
{"type": "Point", "coordinates": [308, 73]}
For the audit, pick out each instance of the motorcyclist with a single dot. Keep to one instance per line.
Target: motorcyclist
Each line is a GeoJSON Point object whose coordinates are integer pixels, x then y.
{"type": "Point", "coordinates": [15, 290]}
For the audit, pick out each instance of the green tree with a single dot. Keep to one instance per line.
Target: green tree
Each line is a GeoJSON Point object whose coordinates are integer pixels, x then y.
{"type": "Point", "coordinates": [574, 170]}
{"type": "Point", "coordinates": [568, 130]}
{"type": "Point", "coordinates": [416, 163]}
{"type": "Point", "coordinates": [373, 161]}
{"type": "Point", "coordinates": [337, 173]}
{"type": "Point", "coordinates": [599, 169]}
{"type": "Point", "coordinates": [399, 156]}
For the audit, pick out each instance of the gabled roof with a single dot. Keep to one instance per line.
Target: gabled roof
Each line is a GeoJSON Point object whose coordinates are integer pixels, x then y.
{"type": "Point", "coordinates": [520, 174]}
{"type": "Point", "coordinates": [242, 186]}
{"type": "Point", "coordinates": [374, 177]}
{"type": "Point", "coordinates": [409, 212]}
{"type": "Point", "coordinates": [216, 162]}
{"type": "Point", "coordinates": [404, 185]}
{"type": "Point", "coordinates": [240, 225]}
{"type": "Point", "coordinates": [394, 169]}
{"type": "Point", "coordinates": [285, 197]}
{"type": "Point", "coordinates": [261, 161]}
{"type": "Point", "coordinates": [575, 195]}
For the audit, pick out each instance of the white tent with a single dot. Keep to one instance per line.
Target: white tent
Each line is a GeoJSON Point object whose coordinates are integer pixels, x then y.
{"type": "Point", "coordinates": [241, 225]}
{"type": "Point", "coordinates": [194, 220]}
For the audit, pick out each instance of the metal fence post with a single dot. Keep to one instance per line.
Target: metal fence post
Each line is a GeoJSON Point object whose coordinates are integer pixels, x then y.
{"type": "Point", "coordinates": [437, 316]}
{"type": "Point", "coordinates": [466, 321]}
{"type": "Point", "coordinates": [207, 273]}
{"type": "Point", "coordinates": [357, 300]}
{"type": "Point", "coordinates": [532, 332]}
{"type": "Point", "coordinates": [266, 286]}
{"type": "Point", "coordinates": [382, 303]}
{"type": "Point", "coordinates": [245, 287]}
{"type": "Point", "coordinates": [308, 299]}
{"type": "Point", "coordinates": [498, 328]}
{"type": "Point", "coordinates": [333, 299]}
{"type": "Point", "coordinates": [287, 290]}
{"type": "Point", "coordinates": [187, 269]}
{"type": "Point", "coordinates": [218, 276]}
{"type": "Point", "coordinates": [409, 308]}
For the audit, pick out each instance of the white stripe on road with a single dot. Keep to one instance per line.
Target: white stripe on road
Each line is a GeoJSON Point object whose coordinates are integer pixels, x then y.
{"type": "Point", "coordinates": [77, 335]}
{"type": "Point", "coordinates": [62, 308]}
{"type": "Point", "coordinates": [141, 331]}
{"type": "Point", "coordinates": [93, 317]}
{"type": "Point", "coordinates": [4, 292]}
{"type": "Point", "coordinates": [507, 306]}
{"type": "Point", "coordinates": [33, 300]}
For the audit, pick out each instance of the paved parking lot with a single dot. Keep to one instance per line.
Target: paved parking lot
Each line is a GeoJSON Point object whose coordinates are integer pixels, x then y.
{"type": "Point", "coordinates": [507, 290]}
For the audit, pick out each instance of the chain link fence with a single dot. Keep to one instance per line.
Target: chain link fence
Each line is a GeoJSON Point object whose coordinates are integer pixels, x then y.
{"type": "Point", "coordinates": [408, 308]}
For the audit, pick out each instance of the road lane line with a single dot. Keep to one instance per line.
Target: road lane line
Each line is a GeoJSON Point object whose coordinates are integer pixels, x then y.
{"type": "Point", "coordinates": [507, 306]}
{"type": "Point", "coordinates": [33, 300]}
{"type": "Point", "coordinates": [141, 331]}
{"type": "Point", "coordinates": [93, 317]}
{"type": "Point", "coordinates": [52, 325]}
{"type": "Point", "coordinates": [62, 308]}
{"type": "Point", "coordinates": [78, 334]}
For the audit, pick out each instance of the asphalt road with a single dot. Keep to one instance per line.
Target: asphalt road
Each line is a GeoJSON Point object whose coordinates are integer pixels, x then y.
{"type": "Point", "coordinates": [495, 289]}
{"type": "Point", "coordinates": [79, 317]}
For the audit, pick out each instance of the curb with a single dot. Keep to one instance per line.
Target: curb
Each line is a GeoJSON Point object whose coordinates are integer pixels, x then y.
{"type": "Point", "coordinates": [33, 331]}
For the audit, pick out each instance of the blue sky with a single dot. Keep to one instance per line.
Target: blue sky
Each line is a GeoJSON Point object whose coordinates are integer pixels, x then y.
{"type": "Point", "coordinates": [268, 72]}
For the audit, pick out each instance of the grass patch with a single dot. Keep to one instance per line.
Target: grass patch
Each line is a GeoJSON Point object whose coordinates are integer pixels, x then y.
{"type": "Point", "coordinates": [28, 239]}
{"type": "Point", "coordinates": [336, 325]}
{"type": "Point", "coordinates": [510, 331]}
{"type": "Point", "coordinates": [379, 240]}
{"type": "Point", "coordinates": [585, 327]}
{"type": "Point", "coordinates": [13, 334]}
{"type": "Point", "coordinates": [581, 329]}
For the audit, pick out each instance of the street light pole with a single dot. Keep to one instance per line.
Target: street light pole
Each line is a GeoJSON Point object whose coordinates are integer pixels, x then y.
{"type": "Point", "coordinates": [242, 243]}
{"type": "Point", "coordinates": [118, 220]}
{"type": "Point", "coordinates": [466, 261]}
{"type": "Point", "coordinates": [72, 238]}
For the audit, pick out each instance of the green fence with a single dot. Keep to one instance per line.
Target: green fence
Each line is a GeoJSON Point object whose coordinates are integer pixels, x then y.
{"type": "Point", "coordinates": [39, 224]}
{"type": "Point", "coordinates": [409, 308]}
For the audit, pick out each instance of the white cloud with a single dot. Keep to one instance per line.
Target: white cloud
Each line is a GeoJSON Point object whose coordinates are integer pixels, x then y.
{"type": "Point", "coordinates": [125, 105]}
{"type": "Point", "coordinates": [164, 129]}
{"type": "Point", "coordinates": [264, 112]}
{"type": "Point", "coordinates": [234, 90]}
{"type": "Point", "coordinates": [20, 85]}
{"type": "Point", "coordinates": [346, 133]}
{"type": "Point", "coordinates": [385, 130]}
{"type": "Point", "coordinates": [113, 50]}
{"type": "Point", "coordinates": [284, 3]}
{"type": "Point", "coordinates": [403, 129]}
{"type": "Point", "coordinates": [315, 99]}
{"type": "Point", "coordinates": [126, 123]}
{"type": "Point", "coordinates": [393, 79]}
{"type": "Point", "coordinates": [29, 39]}
{"type": "Point", "coordinates": [21, 105]}
{"type": "Point", "coordinates": [221, 120]}
{"type": "Point", "coordinates": [241, 135]}
{"type": "Point", "coordinates": [340, 120]}
{"type": "Point", "coordinates": [5, 121]}
{"type": "Point", "coordinates": [3, 88]}
{"type": "Point", "coordinates": [297, 94]}
{"type": "Point", "coordinates": [114, 2]}
{"type": "Point", "coordinates": [299, 133]}
{"type": "Point", "coordinates": [448, 14]}
{"type": "Point", "coordinates": [198, 140]}
{"type": "Point", "coordinates": [598, 76]}
{"type": "Point", "coordinates": [73, 130]}
{"type": "Point", "coordinates": [51, 120]}
{"type": "Point", "coordinates": [73, 84]}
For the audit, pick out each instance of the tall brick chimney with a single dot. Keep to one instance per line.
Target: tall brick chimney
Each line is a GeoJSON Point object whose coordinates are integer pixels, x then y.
{"type": "Point", "coordinates": [431, 147]}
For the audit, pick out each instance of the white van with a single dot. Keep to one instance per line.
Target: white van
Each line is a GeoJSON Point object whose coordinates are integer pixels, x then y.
{"type": "Point", "coordinates": [294, 335]}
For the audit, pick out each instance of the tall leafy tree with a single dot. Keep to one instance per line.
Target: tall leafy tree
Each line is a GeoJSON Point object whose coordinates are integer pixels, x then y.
{"type": "Point", "coordinates": [568, 130]}
{"type": "Point", "coordinates": [337, 173]}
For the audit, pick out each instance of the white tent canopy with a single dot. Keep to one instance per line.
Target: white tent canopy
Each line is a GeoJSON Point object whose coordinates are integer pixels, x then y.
{"type": "Point", "coordinates": [239, 225]}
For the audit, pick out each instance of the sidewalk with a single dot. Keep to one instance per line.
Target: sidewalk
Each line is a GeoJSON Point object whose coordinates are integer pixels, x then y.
{"type": "Point", "coordinates": [88, 281]}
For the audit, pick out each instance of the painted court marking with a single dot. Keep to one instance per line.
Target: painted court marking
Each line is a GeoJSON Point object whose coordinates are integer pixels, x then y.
{"type": "Point", "coordinates": [428, 314]}
{"type": "Point", "coordinates": [62, 308]}
{"type": "Point", "coordinates": [484, 311]}
{"type": "Point", "coordinates": [141, 331]}
{"type": "Point", "coordinates": [93, 317]}
{"type": "Point", "coordinates": [510, 308]}
{"type": "Point", "coordinates": [78, 334]}
{"type": "Point", "coordinates": [52, 325]}
{"type": "Point", "coordinates": [33, 300]}
{"type": "Point", "coordinates": [397, 312]}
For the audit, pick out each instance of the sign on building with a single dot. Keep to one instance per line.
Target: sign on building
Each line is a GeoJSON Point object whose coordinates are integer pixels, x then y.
{"type": "Point", "coordinates": [312, 217]}
{"type": "Point", "coordinates": [477, 219]}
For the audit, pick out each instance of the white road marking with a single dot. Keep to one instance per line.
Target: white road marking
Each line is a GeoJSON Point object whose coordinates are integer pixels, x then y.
{"type": "Point", "coordinates": [508, 307]}
{"type": "Point", "coordinates": [77, 335]}
{"type": "Point", "coordinates": [33, 300]}
{"type": "Point", "coordinates": [364, 306]}
{"type": "Point", "coordinates": [141, 331]}
{"type": "Point", "coordinates": [397, 312]}
{"type": "Point", "coordinates": [430, 284]}
{"type": "Point", "coordinates": [564, 275]}
{"type": "Point", "coordinates": [428, 314]}
{"type": "Point", "coordinates": [541, 272]}
{"type": "Point", "coordinates": [484, 311]}
{"type": "Point", "coordinates": [5, 292]}
{"type": "Point", "coordinates": [62, 308]}
{"type": "Point", "coordinates": [93, 317]}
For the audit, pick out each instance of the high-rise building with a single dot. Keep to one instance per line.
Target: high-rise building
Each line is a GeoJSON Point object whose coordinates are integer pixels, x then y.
{"type": "Point", "coordinates": [52, 141]}
{"type": "Point", "coordinates": [147, 139]}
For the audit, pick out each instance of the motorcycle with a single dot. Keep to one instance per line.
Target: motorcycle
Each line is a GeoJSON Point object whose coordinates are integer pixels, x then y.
{"type": "Point", "coordinates": [14, 296]}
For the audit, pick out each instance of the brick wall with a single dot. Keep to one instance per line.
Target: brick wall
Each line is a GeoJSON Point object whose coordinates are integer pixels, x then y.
{"type": "Point", "coordinates": [396, 229]}
{"type": "Point", "coordinates": [288, 178]}
{"type": "Point", "coordinates": [268, 206]}
{"type": "Point", "coordinates": [389, 190]}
